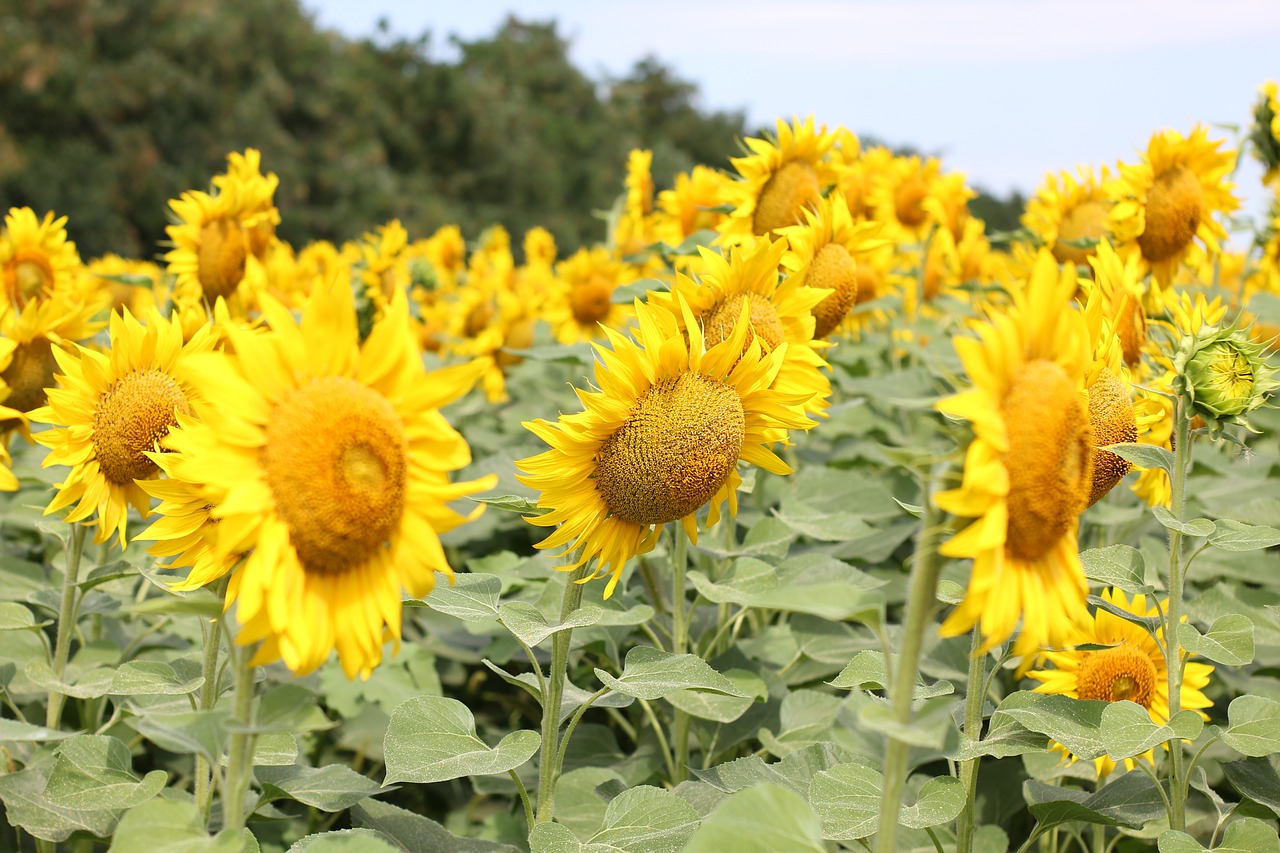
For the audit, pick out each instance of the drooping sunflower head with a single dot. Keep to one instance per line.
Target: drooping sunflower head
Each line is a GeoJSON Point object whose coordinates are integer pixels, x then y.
{"type": "Point", "coordinates": [37, 261]}
{"type": "Point", "coordinates": [1028, 470]}
{"type": "Point", "coordinates": [1130, 668]}
{"type": "Point", "coordinates": [779, 179]}
{"type": "Point", "coordinates": [259, 217]}
{"type": "Point", "coordinates": [1071, 213]}
{"type": "Point", "coordinates": [660, 439]}
{"type": "Point", "coordinates": [110, 411]}
{"type": "Point", "coordinates": [1115, 299]}
{"type": "Point", "coordinates": [1171, 198]}
{"type": "Point", "coordinates": [326, 461]}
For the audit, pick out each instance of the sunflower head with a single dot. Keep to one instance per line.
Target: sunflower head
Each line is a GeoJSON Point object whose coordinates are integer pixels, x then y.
{"type": "Point", "coordinates": [1111, 421]}
{"type": "Point", "coordinates": [1224, 375]}
{"type": "Point", "coordinates": [1070, 213]}
{"type": "Point", "coordinates": [37, 260]}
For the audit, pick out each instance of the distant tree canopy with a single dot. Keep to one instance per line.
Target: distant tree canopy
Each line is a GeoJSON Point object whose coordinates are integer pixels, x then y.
{"type": "Point", "coordinates": [108, 110]}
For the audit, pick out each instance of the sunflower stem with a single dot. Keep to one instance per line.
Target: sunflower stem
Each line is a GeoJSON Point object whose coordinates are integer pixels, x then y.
{"type": "Point", "coordinates": [679, 645]}
{"type": "Point", "coordinates": [921, 602]}
{"type": "Point", "coordinates": [1173, 610]}
{"type": "Point", "coordinates": [974, 702]}
{"type": "Point", "coordinates": [211, 633]}
{"type": "Point", "coordinates": [240, 756]}
{"type": "Point", "coordinates": [549, 760]}
{"type": "Point", "coordinates": [66, 621]}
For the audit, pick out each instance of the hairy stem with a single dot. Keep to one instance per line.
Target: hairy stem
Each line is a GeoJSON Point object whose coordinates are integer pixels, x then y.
{"type": "Point", "coordinates": [66, 621]}
{"type": "Point", "coordinates": [548, 763]}
{"type": "Point", "coordinates": [1173, 611]}
{"type": "Point", "coordinates": [974, 701]}
{"type": "Point", "coordinates": [240, 756]}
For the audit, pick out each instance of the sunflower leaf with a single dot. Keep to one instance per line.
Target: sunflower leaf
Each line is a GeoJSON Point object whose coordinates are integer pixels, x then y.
{"type": "Point", "coordinates": [176, 826]}
{"type": "Point", "coordinates": [528, 624]}
{"type": "Point", "coordinates": [1128, 730]}
{"type": "Point", "coordinates": [1229, 641]}
{"type": "Point", "coordinates": [763, 819]}
{"type": "Point", "coordinates": [471, 597]}
{"type": "Point", "coordinates": [1254, 728]}
{"type": "Point", "coordinates": [1255, 778]}
{"type": "Point", "coordinates": [1246, 835]}
{"type": "Point", "coordinates": [1144, 455]}
{"type": "Point", "coordinates": [847, 800]}
{"type": "Point", "coordinates": [650, 673]}
{"type": "Point", "coordinates": [1198, 527]}
{"type": "Point", "coordinates": [151, 678]}
{"type": "Point", "coordinates": [1151, 623]}
{"type": "Point", "coordinates": [1074, 723]}
{"type": "Point", "coordinates": [1236, 536]}
{"type": "Point", "coordinates": [13, 731]}
{"type": "Point", "coordinates": [433, 739]}
{"type": "Point", "coordinates": [331, 788]}
{"type": "Point", "coordinates": [1117, 566]}
{"type": "Point", "coordinates": [511, 503]}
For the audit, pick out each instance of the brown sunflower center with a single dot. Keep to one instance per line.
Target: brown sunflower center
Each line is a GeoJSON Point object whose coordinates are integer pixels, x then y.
{"type": "Point", "coordinates": [833, 268]}
{"type": "Point", "coordinates": [31, 278]}
{"type": "Point", "coordinates": [1131, 328]}
{"type": "Point", "coordinates": [221, 257]}
{"type": "Point", "coordinates": [674, 452]}
{"type": "Point", "coordinates": [1117, 674]}
{"type": "Point", "coordinates": [719, 322]}
{"type": "Point", "coordinates": [789, 191]}
{"type": "Point", "coordinates": [1173, 214]}
{"type": "Point", "coordinates": [478, 319]}
{"type": "Point", "coordinates": [908, 201]}
{"type": "Point", "coordinates": [868, 284]}
{"type": "Point", "coordinates": [1086, 221]}
{"type": "Point", "coordinates": [29, 373]}
{"type": "Point", "coordinates": [1111, 420]}
{"type": "Point", "coordinates": [1049, 458]}
{"type": "Point", "coordinates": [591, 300]}
{"type": "Point", "coordinates": [130, 419]}
{"type": "Point", "coordinates": [336, 462]}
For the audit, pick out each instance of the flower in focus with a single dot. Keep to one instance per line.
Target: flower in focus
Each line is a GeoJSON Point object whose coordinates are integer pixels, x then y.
{"type": "Point", "coordinates": [1028, 470]}
{"type": "Point", "coordinates": [659, 440]}
{"type": "Point", "coordinates": [326, 462]}
{"type": "Point", "coordinates": [1225, 375]}
{"type": "Point", "coordinates": [1131, 667]}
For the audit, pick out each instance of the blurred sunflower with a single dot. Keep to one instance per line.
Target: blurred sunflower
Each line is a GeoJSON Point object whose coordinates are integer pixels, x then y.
{"type": "Point", "coordinates": [1067, 210]}
{"type": "Point", "coordinates": [37, 260]}
{"type": "Point", "coordinates": [779, 179]}
{"type": "Point", "coordinates": [327, 462]}
{"type": "Point", "coordinates": [689, 206]}
{"type": "Point", "coordinates": [1169, 199]}
{"type": "Point", "coordinates": [210, 246]}
{"type": "Point", "coordinates": [1131, 668]}
{"type": "Point", "coordinates": [582, 306]}
{"type": "Point", "coordinates": [1265, 133]}
{"type": "Point", "coordinates": [38, 331]}
{"type": "Point", "coordinates": [1028, 470]}
{"type": "Point", "coordinates": [898, 198]}
{"type": "Point", "coordinates": [659, 440]}
{"type": "Point", "coordinates": [257, 192]}
{"type": "Point", "coordinates": [110, 411]}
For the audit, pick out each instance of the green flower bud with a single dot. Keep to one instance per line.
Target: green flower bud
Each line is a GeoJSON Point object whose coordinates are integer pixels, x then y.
{"type": "Point", "coordinates": [1224, 375]}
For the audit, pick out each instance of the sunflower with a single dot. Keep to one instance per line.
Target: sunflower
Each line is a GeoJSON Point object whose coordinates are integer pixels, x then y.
{"type": "Point", "coordinates": [690, 205]}
{"type": "Point", "coordinates": [1028, 470]}
{"type": "Point", "coordinates": [1068, 210]}
{"type": "Point", "coordinates": [37, 261]}
{"type": "Point", "coordinates": [1131, 667]}
{"type": "Point", "coordinates": [38, 331]}
{"type": "Point", "coordinates": [326, 462]}
{"type": "Point", "coordinates": [210, 246]}
{"type": "Point", "coordinates": [1265, 133]}
{"type": "Point", "coordinates": [582, 305]}
{"type": "Point", "coordinates": [822, 254]}
{"type": "Point", "coordinates": [780, 178]}
{"type": "Point", "coordinates": [257, 191]}
{"type": "Point", "coordinates": [133, 284]}
{"type": "Point", "coordinates": [110, 411]}
{"type": "Point", "coordinates": [1170, 198]}
{"type": "Point", "coordinates": [659, 440]}
{"type": "Point", "coordinates": [779, 311]}
{"type": "Point", "coordinates": [898, 199]}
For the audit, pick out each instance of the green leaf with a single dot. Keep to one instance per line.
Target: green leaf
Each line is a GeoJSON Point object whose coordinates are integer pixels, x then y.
{"type": "Point", "coordinates": [1005, 737]}
{"type": "Point", "coordinates": [1118, 566]}
{"type": "Point", "coordinates": [809, 583]}
{"type": "Point", "coordinates": [198, 602]}
{"type": "Point", "coordinates": [95, 773]}
{"type": "Point", "coordinates": [471, 598]}
{"type": "Point", "coordinates": [531, 627]}
{"type": "Point", "coordinates": [646, 820]}
{"type": "Point", "coordinates": [1074, 723]}
{"type": "Point", "coordinates": [717, 706]}
{"type": "Point", "coordinates": [1144, 455]}
{"type": "Point", "coordinates": [1151, 623]}
{"type": "Point", "coordinates": [1255, 778]}
{"type": "Point", "coordinates": [940, 801]}
{"type": "Point", "coordinates": [275, 749]}
{"type": "Point", "coordinates": [512, 503]}
{"type": "Point", "coordinates": [1128, 730]}
{"type": "Point", "coordinates": [950, 592]}
{"type": "Point", "coordinates": [1237, 536]}
{"type": "Point", "coordinates": [847, 800]}
{"type": "Point", "coordinates": [417, 834]}
{"type": "Point", "coordinates": [1254, 728]}
{"type": "Point", "coordinates": [174, 827]}
{"type": "Point", "coordinates": [433, 739]}
{"type": "Point", "coordinates": [1229, 641]}
{"type": "Point", "coordinates": [650, 673]}
{"type": "Point", "coordinates": [625, 294]}
{"type": "Point", "coordinates": [822, 526]}
{"type": "Point", "coordinates": [16, 617]}
{"type": "Point", "coordinates": [331, 788]}
{"type": "Point", "coordinates": [90, 685]}
{"type": "Point", "coordinates": [1246, 835]}
{"type": "Point", "coordinates": [345, 841]}
{"type": "Point", "coordinates": [866, 672]}
{"type": "Point", "coordinates": [185, 732]}
{"type": "Point", "coordinates": [13, 731]}
{"type": "Point", "coordinates": [151, 678]}
{"type": "Point", "coordinates": [107, 573]}
{"type": "Point", "coordinates": [1131, 799]}
{"type": "Point", "coordinates": [769, 537]}
{"type": "Point", "coordinates": [1198, 527]}
{"type": "Point", "coordinates": [763, 819]}
{"type": "Point", "coordinates": [931, 727]}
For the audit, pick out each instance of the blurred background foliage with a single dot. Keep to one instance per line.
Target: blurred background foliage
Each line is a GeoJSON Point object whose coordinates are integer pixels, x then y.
{"type": "Point", "coordinates": [108, 110]}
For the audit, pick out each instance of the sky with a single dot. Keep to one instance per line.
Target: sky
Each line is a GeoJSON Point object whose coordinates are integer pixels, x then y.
{"type": "Point", "coordinates": [1002, 90]}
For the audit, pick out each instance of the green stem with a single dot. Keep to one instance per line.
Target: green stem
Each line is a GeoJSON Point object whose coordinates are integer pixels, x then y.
{"type": "Point", "coordinates": [240, 757]}
{"type": "Point", "coordinates": [679, 645]}
{"type": "Point", "coordinates": [211, 633]}
{"type": "Point", "coordinates": [66, 622]}
{"type": "Point", "coordinates": [921, 601]}
{"type": "Point", "coordinates": [524, 799]}
{"type": "Point", "coordinates": [1099, 838]}
{"type": "Point", "coordinates": [548, 764]}
{"type": "Point", "coordinates": [573, 724]}
{"type": "Point", "coordinates": [1173, 611]}
{"type": "Point", "coordinates": [974, 702]}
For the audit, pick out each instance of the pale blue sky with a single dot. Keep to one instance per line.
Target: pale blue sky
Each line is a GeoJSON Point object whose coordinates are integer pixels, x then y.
{"type": "Point", "coordinates": [1004, 90]}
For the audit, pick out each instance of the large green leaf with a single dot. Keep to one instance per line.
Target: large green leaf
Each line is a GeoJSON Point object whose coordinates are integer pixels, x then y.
{"type": "Point", "coordinates": [345, 841]}
{"type": "Point", "coordinates": [531, 627]}
{"type": "Point", "coordinates": [95, 773]}
{"type": "Point", "coordinates": [866, 672]}
{"type": "Point", "coordinates": [806, 583]}
{"type": "Point", "coordinates": [174, 827]}
{"type": "Point", "coordinates": [14, 731]}
{"type": "Point", "coordinates": [414, 833]}
{"type": "Point", "coordinates": [650, 673]}
{"type": "Point", "coordinates": [331, 788]}
{"type": "Point", "coordinates": [1128, 730]}
{"type": "Point", "coordinates": [1255, 778]}
{"type": "Point", "coordinates": [1131, 799]}
{"type": "Point", "coordinates": [1117, 566]}
{"type": "Point", "coordinates": [151, 678]}
{"type": "Point", "coordinates": [646, 820]}
{"type": "Point", "coordinates": [471, 597]}
{"type": "Point", "coordinates": [1237, 536]}
{"type": "Point", "coordinates": [1246, 835]}
{"type": "Point", "coordinates": [1074, 723]}
{"type": "Point", "coordinates": [1229, 641]}
{"type": "Point", "coordinates": [763, 819]}
{"type": "Point", "coordinates": [1144, 455]}
{"type": "Point", "coordinates": [1197, 527]}
{"type": "Point", "coordinates": [847, 800]}
{"type": "Point", "coordinates": [1254, 728]}
{"type": "Point", "coordinates": [433, 739]}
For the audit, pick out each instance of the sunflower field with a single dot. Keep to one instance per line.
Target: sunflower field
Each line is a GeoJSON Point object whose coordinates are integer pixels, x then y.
{"type": "Point", "coordinates": [798, 513]}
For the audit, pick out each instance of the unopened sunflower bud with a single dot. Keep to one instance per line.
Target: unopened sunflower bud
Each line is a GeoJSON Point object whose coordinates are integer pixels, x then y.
{"type": "Point", "coordinates": [1225, 375]}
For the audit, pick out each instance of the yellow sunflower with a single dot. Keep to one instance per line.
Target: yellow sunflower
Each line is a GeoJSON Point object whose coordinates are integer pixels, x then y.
{"type": "Point", "coordinates": [327, 462]}
{"type": "Point", "coordinates": [1069, 209]}
{"type": "Point", "coordinates": [257, 192]}
{"type": "Point", "coordinates": [37, 261]}
{"type": "Point", "coordinates": [690, 205]}
{"type": "Point", "coordinates": [779, 179]}
{"type": "Point", "coordinates": [210, 246]}
{"type": "Point", "coordinates": [38, 331]}
{"type": "Point", "coordinates": [1171, 197]}
{"type": "Point", "coordinates": [582, 306]}
{"type": "Point", "coordinates": [1265, 133]}
{"type": "Point", "coordinates": [110, 411]}
{"type": "Point", "coordinates": [898, 199]}
{"type": "Point", "coordinates": [1028, 470]}
{"type": "Point", "coordinates": [1131, 668]}
{"type": "Point", "coordinates": [822, 254]}
{"type": "Point", "coordinates": [660, 439]}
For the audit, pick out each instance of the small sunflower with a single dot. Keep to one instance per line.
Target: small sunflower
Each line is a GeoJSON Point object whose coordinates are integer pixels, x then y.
{"type": "Point", "coordinates": [257, 192]}
{"type": "Point", "coordinates": [1265, 133]}
{"type": "Point", "coordinates": [582, 306]}
{"type": "Point", "coordinates": [900, 198]}
{"type": "Point", "coordinates": [1131, 668]}
{"type": "Point", "coordinates": [1028, 470]}
{"type": "Point", "coordinates": [780, 178]}
{"type": "Point", "coordinates": [659, 440]}
{"type": "Point", "coordinates": [37, 331]}
{"type": "Point", "coordinates": [1169, 199]}
{"type": "Point", "coordinates": [689, 206]}
{"type": "Point", "coordinates": [210, 245]}
{"type": "Point", "coordinates": [1068, 210]}
{"type": "Point", "coordinates": [326, 462]}
{"type": "Point", "coordinates": [113, 409]}
{"type": "Point", "coordinates": [37, 261]}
